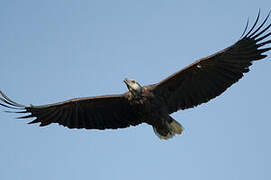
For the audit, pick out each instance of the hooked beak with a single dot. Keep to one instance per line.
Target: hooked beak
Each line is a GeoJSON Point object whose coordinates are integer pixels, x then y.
{"type": "Point", "coordinates": [127, 81]}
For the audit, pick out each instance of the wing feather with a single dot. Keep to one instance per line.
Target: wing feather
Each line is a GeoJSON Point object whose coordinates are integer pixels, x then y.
{"type": "Point", "coordinates": [102, 112]}
{"type": "Point", "coordinates": [209, 77]}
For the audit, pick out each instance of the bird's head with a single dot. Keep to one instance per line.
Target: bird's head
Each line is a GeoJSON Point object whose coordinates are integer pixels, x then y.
{"type": "Point", "coordinates": [133, 86]}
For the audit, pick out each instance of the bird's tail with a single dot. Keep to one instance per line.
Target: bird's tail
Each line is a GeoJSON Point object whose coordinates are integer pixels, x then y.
{"type": "Point", "coordinates": [169, 130]}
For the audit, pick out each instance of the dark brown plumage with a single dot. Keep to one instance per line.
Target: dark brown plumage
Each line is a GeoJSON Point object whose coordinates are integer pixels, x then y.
{"type": "Point", "coordinates": [195, 84]}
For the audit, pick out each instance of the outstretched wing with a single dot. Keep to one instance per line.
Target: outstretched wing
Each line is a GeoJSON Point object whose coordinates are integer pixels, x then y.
{"type": "Point", "coordinates": [209, 77]}
{"type": "Point", "coordinates": [100, 112]}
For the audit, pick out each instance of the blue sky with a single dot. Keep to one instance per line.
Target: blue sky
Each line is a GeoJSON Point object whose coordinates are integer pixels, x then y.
{"type": "Point", "coordinates": [52, 51]}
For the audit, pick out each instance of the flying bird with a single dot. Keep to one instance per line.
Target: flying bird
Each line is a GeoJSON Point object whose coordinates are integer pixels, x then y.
{"type": "Point", "coordinates": [195, 84]}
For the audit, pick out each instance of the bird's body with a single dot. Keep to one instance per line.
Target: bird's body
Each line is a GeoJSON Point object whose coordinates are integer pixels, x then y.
{"type": "Point", "coordinates": [153, 111]}
{"type": "Point", "coordinates": [195, 84]}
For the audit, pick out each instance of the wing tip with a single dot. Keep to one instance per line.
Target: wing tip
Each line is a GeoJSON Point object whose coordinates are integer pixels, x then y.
{"type": "Point", "coordinates": [9, 103]}
{"type": "Point", "coordinates": [253, 34]}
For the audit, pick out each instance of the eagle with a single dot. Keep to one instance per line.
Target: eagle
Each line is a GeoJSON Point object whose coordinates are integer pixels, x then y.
{"type": "Point", "coordinates": [152, 104]}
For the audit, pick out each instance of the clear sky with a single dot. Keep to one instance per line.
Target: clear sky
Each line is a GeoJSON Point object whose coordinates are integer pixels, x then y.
{"type": "Point", "coordinates": [55, 50]}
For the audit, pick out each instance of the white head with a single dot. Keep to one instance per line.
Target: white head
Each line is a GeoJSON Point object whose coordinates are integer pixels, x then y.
{"type": "Point", "coordinates": [133, 86]}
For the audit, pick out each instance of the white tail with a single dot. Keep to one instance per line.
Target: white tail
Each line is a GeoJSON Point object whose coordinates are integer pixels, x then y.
{"type": "Point", "coordinates": [174, 128]}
